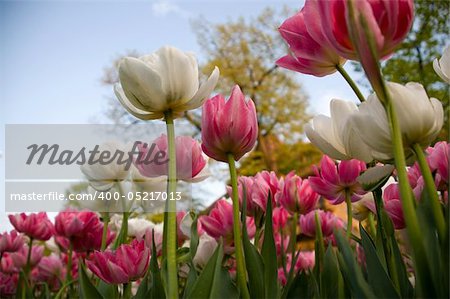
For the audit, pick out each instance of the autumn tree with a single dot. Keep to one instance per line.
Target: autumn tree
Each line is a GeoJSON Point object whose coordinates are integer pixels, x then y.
{"type": "Point", "coordinates": [245, 50]}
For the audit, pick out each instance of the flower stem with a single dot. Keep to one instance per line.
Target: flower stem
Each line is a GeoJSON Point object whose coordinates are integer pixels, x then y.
{"type": "Point", "coordinates": [69, 267]}
{"type": "Point", "coordinates": [406, 196]}
{"type": "Point", "coordinates": [105, 229]}
{"type": "Point", "coordinates": [240, 263]}
{"type": "Point", "coordinates": [431, 190]}
{"type": "Point", "coordinates": [348, 201]}
{"type": "Point", "coordinates": [350, 82]}
{"type": "Point", "coordinates": [293, 241]}
{"type": "Point", "coordinates": [170, 214]}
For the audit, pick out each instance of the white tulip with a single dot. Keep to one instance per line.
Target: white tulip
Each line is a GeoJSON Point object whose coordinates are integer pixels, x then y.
{"type": "Point", "coordinates": [442, 66]}
{"type": "Point", "coordinates": [206, 247]}
{"type": "Point", "coordinates": [138, 226]}
{"type": "Point", "coordinates": [420, 119]}
{"type": "Point", "coordinates": [102, 177]}
{"type": "Point", "coordinates": [335, 135]}
{"type": "Point", "coordinates": [165, 80]}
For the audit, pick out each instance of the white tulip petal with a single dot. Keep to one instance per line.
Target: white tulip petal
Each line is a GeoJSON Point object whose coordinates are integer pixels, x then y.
{"type": "Point", "coordinates": [442, 66]}
{"type": "Point", "coordinates": [141, 114]}
{"type": "Point", "coordinates": [325, 146]}
{"type": "Point", "coordinates": [142, 85]}
{"type": "Point", "coordinates": [204, 91]}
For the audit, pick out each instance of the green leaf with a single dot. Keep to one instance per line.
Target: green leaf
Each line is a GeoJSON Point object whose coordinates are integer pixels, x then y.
{"type": "Point", "coordinates": [87, 289]}
{"type": "Point", "coordinates": [214, 281]}
{"type": "Point", "coordinates": [107, 290]}
{"type": "Point", "coordinates": [269, 255]}
{"type": "Point", "coordinates": [190, 281]}
{"type": "Point", "coordinates": [350, 269]}
{"type": "Point", "coordinates": [157, 287]}
{"type": "Point", "coordinates": [330, 275]}
{"type": "Point", "coordinates": [23, 289]}
{"type": "Point", "coordinates": [377, 276]}
{"type": "Point", "coordinates": [194, 237]}
{"type": "Point", "coordinates": [375, 177]}
{"type": "Point", "coordinates": [183, 255]}
{"type": "Point", "coordinates": [301, 287]}
{"type": "Point", "coordinates": [320, 251]}
{"type": "Point", "coordinates": [253, 260]}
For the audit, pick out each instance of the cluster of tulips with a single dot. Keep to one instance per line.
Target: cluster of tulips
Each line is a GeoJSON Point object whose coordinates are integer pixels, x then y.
{"type": "Point", "coordinates": [270, 236]}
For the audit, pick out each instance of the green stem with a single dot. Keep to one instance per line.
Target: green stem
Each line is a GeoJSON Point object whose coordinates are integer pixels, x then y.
{"type": "Point", "coordinates": [350, 82]}
{"type": "Point", "coordinates": [407, 200]}
{"type": "Point", "coordinates": [240, 263]}
{"type": "Point", "coordinates": [438, 215]}
{"type": "Point", "coordinates": [69, 267]}
{"type": "Point", "coordinates": [105, 230]}
{"type": "Point", "coordinates": [293, 241]}
{"type": "Point", "coordinates": [126, 292]}
{"type": "Point", "coordinates": [27, 269]}
{"type": "Point", "coordinates": [170, 216]}
{"type": "Point", "coordinates": [348, 201]}
{"type": "Point", "coordinates": [371, 221]}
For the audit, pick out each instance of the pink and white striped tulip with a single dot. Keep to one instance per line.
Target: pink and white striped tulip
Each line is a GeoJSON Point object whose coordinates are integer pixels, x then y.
{"type": "Point", "coordinates": [311, 53]}
{"type": "Point", "coordinates": [298, 196]}
{"type": "Point", "coordinates": [189, 158]}
{"type": "Point", "coordinates": [265, 183]}
{"type": "Point", "coordinates": [19, 258]}
{"type": "Point", "coordinates": [334, 181]}
{"type": "Point", "coordinates": [229, 127]}
{"type": "Point", "coordinates": [36, 226]}
{"type": "Point", "coordinates": [219, 224]}
{"type": "Point", "coordinates": [10, 242]}
{"type": "Point", "coordinates": [328, 222]}
{"type": "Point", "coordinates": [128, 263]}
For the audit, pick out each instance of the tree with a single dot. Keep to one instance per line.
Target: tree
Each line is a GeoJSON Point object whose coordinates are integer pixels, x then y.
{"type": "Point", "coordinates": [245, 50]}
{"type": "Point", "coordinates": [413, 60]}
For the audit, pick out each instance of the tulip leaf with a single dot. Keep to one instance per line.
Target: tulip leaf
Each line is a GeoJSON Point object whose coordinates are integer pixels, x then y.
{"type": "Point", "coordinates": [377, 276]}
{"type": "Point", "coordinates": [87, 289]}
{"type": "Point", "coordinates": [330, 276]}
{"type": "Point", "coordinates": [183, 255]}
{"type": "Point", "coordinates": [107, 290]}
{"type": "Point", "coordinates": [194, 237]}
{"type": "Point", "coordinates": [319, 252]}
{"type": "Point", "coordinates": [269, 255]}
{"type": "Point", "coordinates": [191, 279]}
{"type": "Point", "coordinates": [350, 269]}
{"type": "Point", "coordinates": [23, 289]}
{"type": "Point", "coordinates": [214, 281]}
{"type": "Point", "coordinates": [253, 259]}
{"type": "Point", "coordinates": [375, 177]}
{"type": "Point", "coordinates": [157, 289]}
{"type": "Point", "coordinates": [301, 287]}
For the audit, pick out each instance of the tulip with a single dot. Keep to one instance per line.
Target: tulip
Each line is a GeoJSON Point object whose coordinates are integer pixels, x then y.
{"type": "Point", "coordinates": [50, 270]}
{"type": "Point", "coordinates": [246, 183]}
{"type": "Point", "coordinates": [265, 184]}
{"type": "Point", "coordinates": [335, 182]}
{"type": "Point", "coordinates": [279, 218]}
{"type": "Point", "coordinates": [36, 226]}
{"type": "Point", "coordinates": [103, 177]}
{"type": "Point", "coordinates": [298, 196]}
{"type": "Point", "coordinates": [7, 265]}
{"type": "Point", "coordinates": [438, 160]}
{"type": "Point", "coordinates": [442, 66]}
{"type": "Point", "coordinates": [8, 285]}
{"type": "Point", "coordinates": [10, 242]}
{"type": "Point", "coordinates": [336, 136]}
{"type": "Point", "coordinates": [20, 257]}
{"type": "Point", "coordinates": [166, 80]}
{"type": "Point", "coordinates": [154, 235]}
{"type": "Point", "coordinates": [128, 263]}
{"type": "Point", "coordinates": [365, 30]}
{"type": "Point", "coordinates": [206, 247]}
{"type": "Point", "coordinates": [190, 161]}
{"type": "Point", "coordinates": [420, 119]}
{"type": "Point", "coordinates": [328, 222]}
{"type": "Point", "coordinates": [229, 128]}
{"type": "Point", "coordinates": [83, 229]}
{"type": "Point", "coordinates": [219, 224]}
{"type": "Point", "coordinates": [311, 53]}
{"type": "Point", "coordinates": [305, 262]}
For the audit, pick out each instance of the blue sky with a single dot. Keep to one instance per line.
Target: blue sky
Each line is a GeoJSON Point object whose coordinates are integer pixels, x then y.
{"type": "Point", "coordinates": [53, 53]}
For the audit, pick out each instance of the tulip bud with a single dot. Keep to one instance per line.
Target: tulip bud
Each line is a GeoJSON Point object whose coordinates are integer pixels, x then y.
{"type": "Point", "coordinates": [229, 127]}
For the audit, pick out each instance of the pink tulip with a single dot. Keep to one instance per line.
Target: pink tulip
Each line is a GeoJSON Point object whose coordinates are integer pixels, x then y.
{"type": "Point", "coordinates": [10, 242]}
{"type": "Point", "coordinates": [128, 263]}
{"type": "Point", "coordinates": [305, 262]}
{"type": "Point", "coordinates": [189, 158]}
{"type": "Point", "coordinates": [229, 127]}
{"type": "Point", "coordinates": [246, 183]}
{"type": "Point", "coordinates": [353, 26]}
{"type": "Point", "coordinates": [50, 270]}
{"type": "Point", "coordinates": [298, 196]}
{"type": "Point", "coordinates": [36, 226]}
{"type": "Point", "coordinates": [7, 264]}
{"type": "Point", "coordinates": [148, 237]}
{"type": "Point", "coordinates": [334, 181]}
{"type": "Point", "coordinates": [265, 183]}
{"type": "Point", "coordinates": [219, 224]}
{"type": "Point", "coordinates": [8, 285]}
{"type": "Point", "coordinates": [279, 218]}
{"type": "Point", "coordinates": [281, 243]}
{"type": "Point", "coordinates": [327, 220]}
{"type": "Point", "coordinates": [81, 228]}
{"type": "Point", "coordinates": [311, 53]}
{"type": "Point", "coordinates": [438, 159]}
{"type": "Point", "coordinates": [19, 258]}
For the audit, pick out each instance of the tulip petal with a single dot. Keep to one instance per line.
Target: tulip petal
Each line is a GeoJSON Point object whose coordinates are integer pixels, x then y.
{"type": "Point", "coordinates": [204, 91]}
